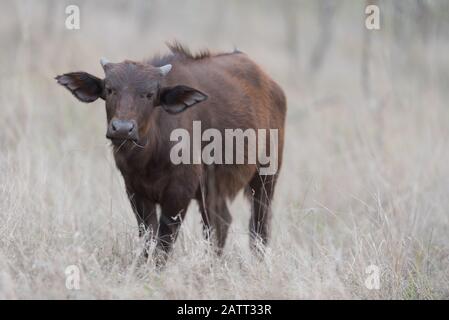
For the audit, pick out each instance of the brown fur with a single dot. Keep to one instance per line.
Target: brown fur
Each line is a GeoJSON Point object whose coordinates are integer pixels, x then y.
{"type": "Point", "coordinates": [240, 95]}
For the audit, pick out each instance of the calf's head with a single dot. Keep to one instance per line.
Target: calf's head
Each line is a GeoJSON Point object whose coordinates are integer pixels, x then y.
{"type": "Point", "coordinates": [131, 91]}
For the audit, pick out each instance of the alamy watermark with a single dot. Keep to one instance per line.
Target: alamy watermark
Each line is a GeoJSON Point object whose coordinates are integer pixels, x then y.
{"type": "Point", "coordinates": [72, 280]}
{"type": "Point", "coordinates": [372, 21]}
{"type": "Point", "coordinates": [72, 22]}
{"type": "Point", "coordinates": [229, 149]}
{"type": "Point", "coordinates": [372, 282]}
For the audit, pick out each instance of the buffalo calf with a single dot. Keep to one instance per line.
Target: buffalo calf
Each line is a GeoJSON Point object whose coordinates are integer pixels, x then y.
{"type": "Point", "coordinates": [146, 102]}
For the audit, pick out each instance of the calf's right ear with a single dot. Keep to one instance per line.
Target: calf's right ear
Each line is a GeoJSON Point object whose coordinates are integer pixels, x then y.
{"type": "Point", "coordinates": [84, 86]}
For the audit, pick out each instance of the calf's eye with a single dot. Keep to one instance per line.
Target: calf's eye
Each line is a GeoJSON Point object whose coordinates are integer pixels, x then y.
{"type": "Point", "coordinates": [146, 95]}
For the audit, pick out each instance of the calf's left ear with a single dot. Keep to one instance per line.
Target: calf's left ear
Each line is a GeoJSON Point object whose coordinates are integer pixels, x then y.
{"type": "Point", "coordinates": [84, 86]}
{"type": "Point", "coordinates": [177, 99]}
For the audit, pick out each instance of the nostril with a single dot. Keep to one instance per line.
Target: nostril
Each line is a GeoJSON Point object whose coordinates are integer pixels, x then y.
{"type": "Point", "coordinates": [131, 128]}
{"type": "Point", "coordinates": [113, 126]}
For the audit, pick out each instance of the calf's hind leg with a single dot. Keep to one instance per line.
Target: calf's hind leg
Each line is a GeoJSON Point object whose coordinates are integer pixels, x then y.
{"type": "Point", "coordinates": [261, 189]}
{"type": "Point", "coordinates": [216, 221]}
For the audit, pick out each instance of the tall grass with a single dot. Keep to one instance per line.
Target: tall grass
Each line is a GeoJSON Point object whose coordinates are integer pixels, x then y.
{"type": "Point", "coordinates": [365, 181]}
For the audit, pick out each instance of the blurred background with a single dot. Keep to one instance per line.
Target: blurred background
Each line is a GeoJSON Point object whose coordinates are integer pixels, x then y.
{"type": "Point", "coordinates": [364, 180]}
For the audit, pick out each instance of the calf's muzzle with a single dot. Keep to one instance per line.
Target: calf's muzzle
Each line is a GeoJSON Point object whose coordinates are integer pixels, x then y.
{"type": "Point", "coordinates": [122, 130]}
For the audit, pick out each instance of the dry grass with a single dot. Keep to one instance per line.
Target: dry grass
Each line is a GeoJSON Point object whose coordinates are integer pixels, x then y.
{"type": "Point", "coordinates": [365, 181]}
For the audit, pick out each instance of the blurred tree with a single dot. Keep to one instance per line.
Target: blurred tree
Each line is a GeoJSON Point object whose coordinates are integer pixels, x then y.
{"type": "Point", "coordinates": [423, 19]}
{"type": "Point", "coordinates": [290, 10]}
{"type": "Point", "coordinates": [366, 54]}
{"type": "Point", "coordinates": [218, 20]}
{"type": "Point", "coordinates": [326, 13]}
{"type": "Point", "coordinates": [145, 14]}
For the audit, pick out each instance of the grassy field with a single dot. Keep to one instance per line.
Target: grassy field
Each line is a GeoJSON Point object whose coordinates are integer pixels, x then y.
{"type": "Point", "coordinates": [365, 179]}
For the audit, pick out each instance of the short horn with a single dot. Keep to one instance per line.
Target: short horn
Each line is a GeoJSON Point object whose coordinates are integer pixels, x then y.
{"type": "Point", "coordinates": [165, 69]}
{"type": "Point", "coordinates": [104, 62]}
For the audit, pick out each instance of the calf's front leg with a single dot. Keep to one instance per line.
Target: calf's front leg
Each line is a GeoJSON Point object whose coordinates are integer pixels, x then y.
{"type": "Point", "coordinates": [173, 210]}
{"type": "Point", "coordinates": [146, 216]}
